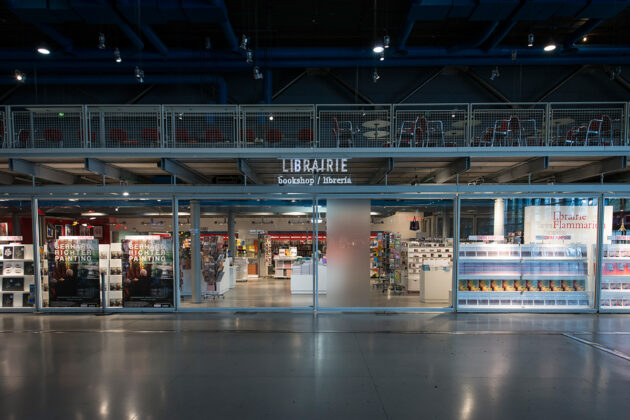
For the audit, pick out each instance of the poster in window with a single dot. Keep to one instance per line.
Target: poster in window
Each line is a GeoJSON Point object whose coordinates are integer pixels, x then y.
{"type": "Point", "coordinates": [73, 273]}
{"type": "Point", "coordinates": [98, 232]}
{"type": "Point", "coordinates": [67, 230]}
{"type": "Point", "coordinates": [50, 230]}
{"type": "Point", "coordinates": [147, 272]}
{"type": "Point", "coordinates": [58, 231]}
{"type": "Point", "coordinates": [4, 229]}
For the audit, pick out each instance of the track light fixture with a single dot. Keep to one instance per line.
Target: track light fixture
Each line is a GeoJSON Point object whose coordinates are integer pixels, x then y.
{"type": "Point", "coordinates": [378, 48]}
{"type": "Point", "coordinates": [117, 57]}
{"type": "Point", "coordinates": [43, 49]}
{"type": "Point", "coordinates": [584, 38]}
{"type": "Point", "coordinates": [207, 43]}
{"type": "Point", "coordinates": [101, 41]}
{"type": "Point", "coordinates": [375, 76]}
{"type": "Point", "coordinates": [495, 73]}
{"type": "Point", "coordinates": [244, 42]}
{"type": "Point", "coordinates": [19, 76]}
{"type": "Point", "coordinates": [550, 46]}
{"type": "Point", "coordinates": [387, 41]}
{"type": "Point", "coordinates": [530, 40]}
{"type": "Point", "coordinates": [139, 73]}
{"type": "Point", "coordinates": [257, 73]}
{"type": "Point", "coordinates": [382, 57]}
{"type": "Point", "coordinates": [249, 56]}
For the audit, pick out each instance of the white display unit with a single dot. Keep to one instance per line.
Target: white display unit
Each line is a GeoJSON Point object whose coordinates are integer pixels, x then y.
{"type": "Point", "coordinates": [15, 284]}
{"type": "Point", "coordinates": [240, 269]}
{"type": "Point", "coordinates": [530, 276]}
{"type": "Point", "coordinates": [283, 266]}
{"type": "Point", "coordinates": [302, 279]}
{"type": "Point", "coordinates": [428, 270]}
{"type": "Point", "coordinates": [615, 286]}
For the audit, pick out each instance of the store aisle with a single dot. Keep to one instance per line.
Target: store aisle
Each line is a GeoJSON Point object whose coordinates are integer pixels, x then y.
{"type": "Point", "coordinates": [277, 366]}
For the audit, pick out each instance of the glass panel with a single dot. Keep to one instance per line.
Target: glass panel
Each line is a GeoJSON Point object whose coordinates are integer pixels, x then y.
{"type": "Point", "coordinates": [17, 284]}
{"type": "Point", "coordinates": [251, 253]}
{"type": "Point", "coordinates": [527, 254]}
{"type": "Point", "coordinates": [615, 285]}
{"type": "Point", "coordinates": [125, 245]}
{"type": "Point", "coordinates": [387, 253]}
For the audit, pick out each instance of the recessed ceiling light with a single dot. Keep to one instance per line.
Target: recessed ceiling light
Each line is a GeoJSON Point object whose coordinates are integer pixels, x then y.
{"type": "Point", "coordinates": [550, 46]}
{"type": "Point", "coordinates": [92, 213]}
{"type": "Point", "coordinates": [378, 48]}
{"type": "Point", "coordinates": [294, 213]}
{"type": "Point", "coordinates": [43, 50]}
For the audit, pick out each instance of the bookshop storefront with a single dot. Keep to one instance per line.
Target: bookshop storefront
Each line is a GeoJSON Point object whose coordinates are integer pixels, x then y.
{"type": "Point", "coordinates": [316, 248]}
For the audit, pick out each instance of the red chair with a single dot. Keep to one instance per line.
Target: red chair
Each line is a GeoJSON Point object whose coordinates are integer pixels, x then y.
{"type": "Point", "coordinates": [407, 135]}
{"type": "Point", "coordinates": [151, 136]}
{"type": "Point", "coordinates": [213, 135]}
{"type": "Point", "coordinates": [24, 138]}
{"type": "Point", "coordinates": [430, 130]}
{"type": "Point", "coordinates": [53, 135]}
{"type": "Point", "coordinates": [305, 135]}
{"type": "Point", "coordinates": [575, 135]}
{"type": "Point", "coordinates": [509, 129]}
{"type": "Point", "coordinates": [273, 135]}
{"type": "Point", "coordinates": [601, 127]}
{"type": "Point", "coordinates": [118, 136]}
{"type": "Point", "coordinates": [182, 136]}
{"type": "Point", "coordinates": [344, 136]}
{"type": "Point", "coordinates": [248, 135]}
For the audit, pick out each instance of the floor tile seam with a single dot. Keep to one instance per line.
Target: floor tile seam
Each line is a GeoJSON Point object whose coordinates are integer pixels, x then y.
{"type": "Point", "coordinates": [367, 367]}
{"type": "Point", "coordinates": [599, 346]}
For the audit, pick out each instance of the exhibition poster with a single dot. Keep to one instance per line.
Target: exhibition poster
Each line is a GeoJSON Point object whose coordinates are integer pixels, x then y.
{"type": "Point", "coordinates": [74, 273]}
{"type": "Point", "coordinates": [147, 270]}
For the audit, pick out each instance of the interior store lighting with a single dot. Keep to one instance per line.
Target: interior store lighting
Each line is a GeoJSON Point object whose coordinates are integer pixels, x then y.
{"type": "Point", "coordinates": [584, 38]}
{"type": "Point", "coordinates": [378, 48]}
{"type": "Point", "coordinates": [117, 57]}
{"type": "Point", "coordinates": [101, 41]}
{"type": "Point", "coordinates": [125, 193]}
{"type": "Point", "coordinates": [387, 41]}
{"type": "Point", "coordinates": [382, 57]}
{"type": "Point", "coordinates": [294, 213]}
{"type": "Point", "coordinates": [93, 213]}
{"type": "Point", "coordinates": [550, 46]}
{"type": "Point", "coordinates": [43, 49]}
{"type": "Point", "coordinates": [19, 76]}
{"type": "Point", "coordinates": [530, 40]}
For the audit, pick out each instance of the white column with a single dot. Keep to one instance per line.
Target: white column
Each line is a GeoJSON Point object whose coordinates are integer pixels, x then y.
{"type": "Point", "coordinates": [499, 217]}
{"type": "Point", "coordinates": [195, 251]}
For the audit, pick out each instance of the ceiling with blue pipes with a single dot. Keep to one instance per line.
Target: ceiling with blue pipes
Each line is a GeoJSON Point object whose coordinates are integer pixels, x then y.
{"type": "Point", "coordinates": [192, 42]}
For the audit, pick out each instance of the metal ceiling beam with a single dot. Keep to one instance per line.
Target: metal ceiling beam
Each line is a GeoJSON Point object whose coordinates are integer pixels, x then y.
{"type": "Point", "coordinates": [103, 168]}
{"type": "Point", "coordinates": [582, 31]}
{"type": "Point", "coordinates": [423, 84]}
{"type": "Point", "coordinates": [182, 171]}
{"type": "Point", "coordinates": [561, 83]}
{"type": "Point", "coordinates": [226, 26]}
{"type": "Point", "coordinates": [455, 168]}
{"type": "Point", "coordinates": [354, 91]}
{"type": "Point", "coordinates": [154, 40]}
{"type": "Point", "coordinates": [592, 170]}
{"type": "Point", "coordinates": [506, 28]}
{"type": "Point", "coordinates": [487, 86]}
{"type": "Point", "coordinates": [38, 171]}
{"type": "Point", "coordinates": [622, 82]}
{"type": "Point", "coordinates": [6, 179]}
{"type": "Point", "coordinates": [288, 85]}
{"type": "Point", "coordinates": [248, 171]}
{"type": "Point", "coordinates": [406, 28]}
{"type": "Point", "coordinates": [53, 34]}
{"type": "Point", "coordinates": [140, 95]}
{"type": "Point", "coordinates": [386, 168]}
{"type": "Point", "coordinates": [522, 170]}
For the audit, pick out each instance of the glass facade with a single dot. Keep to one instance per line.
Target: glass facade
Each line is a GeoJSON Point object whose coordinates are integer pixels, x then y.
{"type": "Point", "coordinates": [512, 253]}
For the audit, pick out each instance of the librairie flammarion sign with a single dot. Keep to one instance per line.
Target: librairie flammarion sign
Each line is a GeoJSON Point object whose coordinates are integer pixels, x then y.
{"type": "Point", "coordinates": [314, 172]}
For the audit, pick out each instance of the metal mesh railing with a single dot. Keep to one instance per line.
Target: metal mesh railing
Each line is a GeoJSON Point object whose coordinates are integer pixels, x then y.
{"type": "Point", "coordinates": [347, 127]}
{"type": "Point", "coordinates": [587, 125]}
{"type": "Point", "coordinates": [434, 126]}
{"type": "Point", "coordinates": [47, 128]}
{"type": "Point", "coordinates": [201, 127]}
{"type": "Point", "coordinates": [277, 126]}
{"type": "Point", "coordinates": [504, 125]}
{"type": "Point", "coordinates": [124, 128]}
{"type": "Point", "coordinates": [294, 126]}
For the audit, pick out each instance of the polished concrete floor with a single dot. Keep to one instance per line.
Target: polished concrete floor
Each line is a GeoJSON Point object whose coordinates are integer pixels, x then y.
{"type": "Point", "coordinates": [300, 366]}
{"type": "Point", "coordinates": [272, 292]}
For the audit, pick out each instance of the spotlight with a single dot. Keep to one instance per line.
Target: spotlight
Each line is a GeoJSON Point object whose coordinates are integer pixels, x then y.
{"type": "Point", "coordinates": [249, 56]}
{"type": "Point", "coordinates": [584, 38]}
{"type": "Point", "coordinates": [375, 76]}
{"type": "Point", "coordinates": [101, 41]}
{"type": "Point", "coordinates": [495, 73]}
{"type": "Point", "coordinates": [117, 57]}
{"type": "Point", "coordinates": [530, 40]}
{"type": "Point", "coordinates": [387, 41]}
{"type": "Point", "coordinates": [125, 193]}
{"type": "Point", "coordinates": [382, 57]}
{"type": "Point", "coordinates": [244, 41]}
{"type": "Point", "coordinates": [378, 48]}
{"type": "Point", "coordinates": [271, 118]}
{"type": "Point", "coordinates": [257, 74]}
{"type": "Point", "coordinates": [139, 73]}
{"type": "Point", "coordinates": [550, 46]}
{"type": "Point", "coordinates": [207, 43]}
{"type": "Point", "coordinates": [43, 49]}
{"type": "Point", "coordinates": [19, 76]}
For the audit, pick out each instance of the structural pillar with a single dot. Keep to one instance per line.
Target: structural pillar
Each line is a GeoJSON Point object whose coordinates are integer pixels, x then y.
{"type": "Point", "coordinates": [444, 224]}
{"type": "Point", "coordinates": [195, 251]}
{"type": "Point", "coordinates": [17, 229]}
{"type": "Point", "coordinates": [231, 235]}
{"type": "Point", "coordinates": [499, 217]}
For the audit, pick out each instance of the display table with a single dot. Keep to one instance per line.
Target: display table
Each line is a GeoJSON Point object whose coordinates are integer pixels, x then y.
{"type": "Point", "coordinates": [436, 283]}
{"type": "Point", "coordinates": [240, 268]}
{"type": "Point", "coordinates": [302, 280]}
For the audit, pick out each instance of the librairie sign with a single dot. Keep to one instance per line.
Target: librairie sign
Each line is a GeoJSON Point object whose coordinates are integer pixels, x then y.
{"type": "Point", "coordinates": [314, 172]}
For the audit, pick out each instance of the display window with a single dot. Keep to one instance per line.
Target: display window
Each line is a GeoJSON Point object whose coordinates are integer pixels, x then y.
{"type": "Point", "coordinates": [103, 253]}
{"type": "Point", "coordinates": [246, 253]}
{"type": "Point", "coordinates": [615, 269]}
{"type": "Point", "coordinates": [386, 253]}
{"type": "Point", "coordinates": [17, 284]}
{"type": "Point", "coordinates": [530, 254]}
